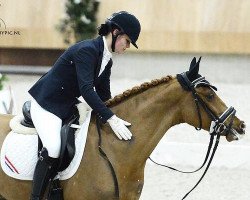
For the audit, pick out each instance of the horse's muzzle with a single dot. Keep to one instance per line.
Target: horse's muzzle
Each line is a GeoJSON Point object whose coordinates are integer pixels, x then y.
{"type": "Point", "coordinates": [236, 133]}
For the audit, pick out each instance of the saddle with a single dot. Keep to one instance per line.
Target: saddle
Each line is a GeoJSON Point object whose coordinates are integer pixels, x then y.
{"type": "Point", "coordinates": [67, 151]}
{"type": "Point", "coordinates": [19, 162]}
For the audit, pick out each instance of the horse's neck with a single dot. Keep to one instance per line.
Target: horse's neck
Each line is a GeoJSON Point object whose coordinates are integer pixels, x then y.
{"type": "Point", "coordinates": [151, 113]}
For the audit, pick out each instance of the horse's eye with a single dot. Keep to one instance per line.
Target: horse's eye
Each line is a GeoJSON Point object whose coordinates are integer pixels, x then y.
{"type": "Point", "coordinates": [210, 96]}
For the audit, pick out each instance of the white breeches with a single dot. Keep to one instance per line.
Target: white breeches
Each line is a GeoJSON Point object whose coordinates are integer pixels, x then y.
{"type": "Point", "coordinates": [48, 127]}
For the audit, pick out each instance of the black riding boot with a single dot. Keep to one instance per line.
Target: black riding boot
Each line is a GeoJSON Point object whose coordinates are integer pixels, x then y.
{"type": "Point", "coordinates": [45, 170]}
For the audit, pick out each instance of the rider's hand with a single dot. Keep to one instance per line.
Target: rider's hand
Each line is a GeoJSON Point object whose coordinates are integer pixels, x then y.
{"type": "Point", "coordinates": [119, 127]}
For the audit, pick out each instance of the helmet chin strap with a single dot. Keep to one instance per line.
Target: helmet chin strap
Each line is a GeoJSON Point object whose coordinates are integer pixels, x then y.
{"type": "Point", "coordinates": [114, 38]}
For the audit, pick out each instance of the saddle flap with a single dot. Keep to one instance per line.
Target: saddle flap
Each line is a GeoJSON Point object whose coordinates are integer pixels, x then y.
{"type": "Point", "coordinates": [67, 151]}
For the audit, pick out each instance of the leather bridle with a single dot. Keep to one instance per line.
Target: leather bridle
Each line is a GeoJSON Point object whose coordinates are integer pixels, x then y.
{"type": "Point", "coordinates": [219, 121]}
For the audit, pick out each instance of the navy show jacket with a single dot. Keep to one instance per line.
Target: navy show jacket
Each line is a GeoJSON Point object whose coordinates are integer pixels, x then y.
{"type": "Point", "coordinates": [75, 74]}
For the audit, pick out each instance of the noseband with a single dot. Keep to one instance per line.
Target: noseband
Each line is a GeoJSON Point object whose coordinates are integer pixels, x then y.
{"type": "Point", "coordinates": [217, 127]}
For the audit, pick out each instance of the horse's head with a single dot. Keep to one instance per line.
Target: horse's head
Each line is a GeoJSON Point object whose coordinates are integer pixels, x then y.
{"type": "Point", "coordinates": [202, 108]}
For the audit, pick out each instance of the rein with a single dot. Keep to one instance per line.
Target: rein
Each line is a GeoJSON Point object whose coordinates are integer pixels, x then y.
{"type": "Point", "coordinates": [217, 127]}
{"type": "Point", "coordinates": [104, 155]}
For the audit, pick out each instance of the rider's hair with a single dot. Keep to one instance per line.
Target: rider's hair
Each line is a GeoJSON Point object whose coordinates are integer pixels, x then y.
{"type": "Point", "coordinates": [106, 28]}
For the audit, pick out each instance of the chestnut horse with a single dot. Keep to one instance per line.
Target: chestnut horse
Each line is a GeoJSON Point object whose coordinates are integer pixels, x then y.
{"type": "Point", "coordinates": [152, 108]}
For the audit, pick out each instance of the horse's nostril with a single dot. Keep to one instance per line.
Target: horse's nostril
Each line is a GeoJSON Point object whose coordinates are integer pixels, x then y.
{"type": "Point", "coordinates": [242, 125]}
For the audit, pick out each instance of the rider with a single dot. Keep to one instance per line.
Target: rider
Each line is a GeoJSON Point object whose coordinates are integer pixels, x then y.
{"type": "Point", "coordinates": [81, 68]}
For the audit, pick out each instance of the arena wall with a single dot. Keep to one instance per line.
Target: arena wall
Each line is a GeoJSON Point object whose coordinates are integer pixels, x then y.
{"type": "Point", "coordinates": [177, 26]}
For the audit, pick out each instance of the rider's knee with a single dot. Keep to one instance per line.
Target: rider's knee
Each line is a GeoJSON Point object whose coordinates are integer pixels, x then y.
{"type": "Point", "coordinates": [54, 149]}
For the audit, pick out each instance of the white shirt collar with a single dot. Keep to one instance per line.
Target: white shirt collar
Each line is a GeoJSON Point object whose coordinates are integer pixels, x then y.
{"type": "Point", "coordinates": [106, 51]}
{"type": "Point", "coordinates": [106, 56]}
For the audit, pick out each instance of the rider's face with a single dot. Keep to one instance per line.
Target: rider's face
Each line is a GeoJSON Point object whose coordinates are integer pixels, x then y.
{"type": "Point", "coordinates": [122, 43]}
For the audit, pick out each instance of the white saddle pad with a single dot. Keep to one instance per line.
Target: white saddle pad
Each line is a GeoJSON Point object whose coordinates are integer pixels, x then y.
{"type": "Point", "coordinates": [19, 153]}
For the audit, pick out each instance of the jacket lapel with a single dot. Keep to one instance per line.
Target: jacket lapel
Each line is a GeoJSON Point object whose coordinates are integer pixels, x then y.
{"type": "Point", "coordinates": [101, 47]}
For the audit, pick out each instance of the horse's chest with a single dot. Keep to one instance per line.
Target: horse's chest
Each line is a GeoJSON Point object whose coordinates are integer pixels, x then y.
{"type": "Point", "coordinates": [132, 191]}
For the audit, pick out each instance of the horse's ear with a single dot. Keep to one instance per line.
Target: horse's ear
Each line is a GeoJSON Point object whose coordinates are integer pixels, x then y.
{"type": "Point", "coordinates": [192, 64]}
{"type": "Point", "coordinates": [193, 72]}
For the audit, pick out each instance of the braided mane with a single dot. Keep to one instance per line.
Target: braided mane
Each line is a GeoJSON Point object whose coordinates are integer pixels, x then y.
{"type": "Point", "coordinates": [137, 89]}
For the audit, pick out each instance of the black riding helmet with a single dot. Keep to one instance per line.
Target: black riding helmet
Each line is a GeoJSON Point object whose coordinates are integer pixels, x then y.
{"type": "Point", "coordinates": [127, 23]}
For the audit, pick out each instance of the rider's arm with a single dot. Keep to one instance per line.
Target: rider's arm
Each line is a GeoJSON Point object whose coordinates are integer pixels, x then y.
{"type": "Point", "coordinates": [85, 61]}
